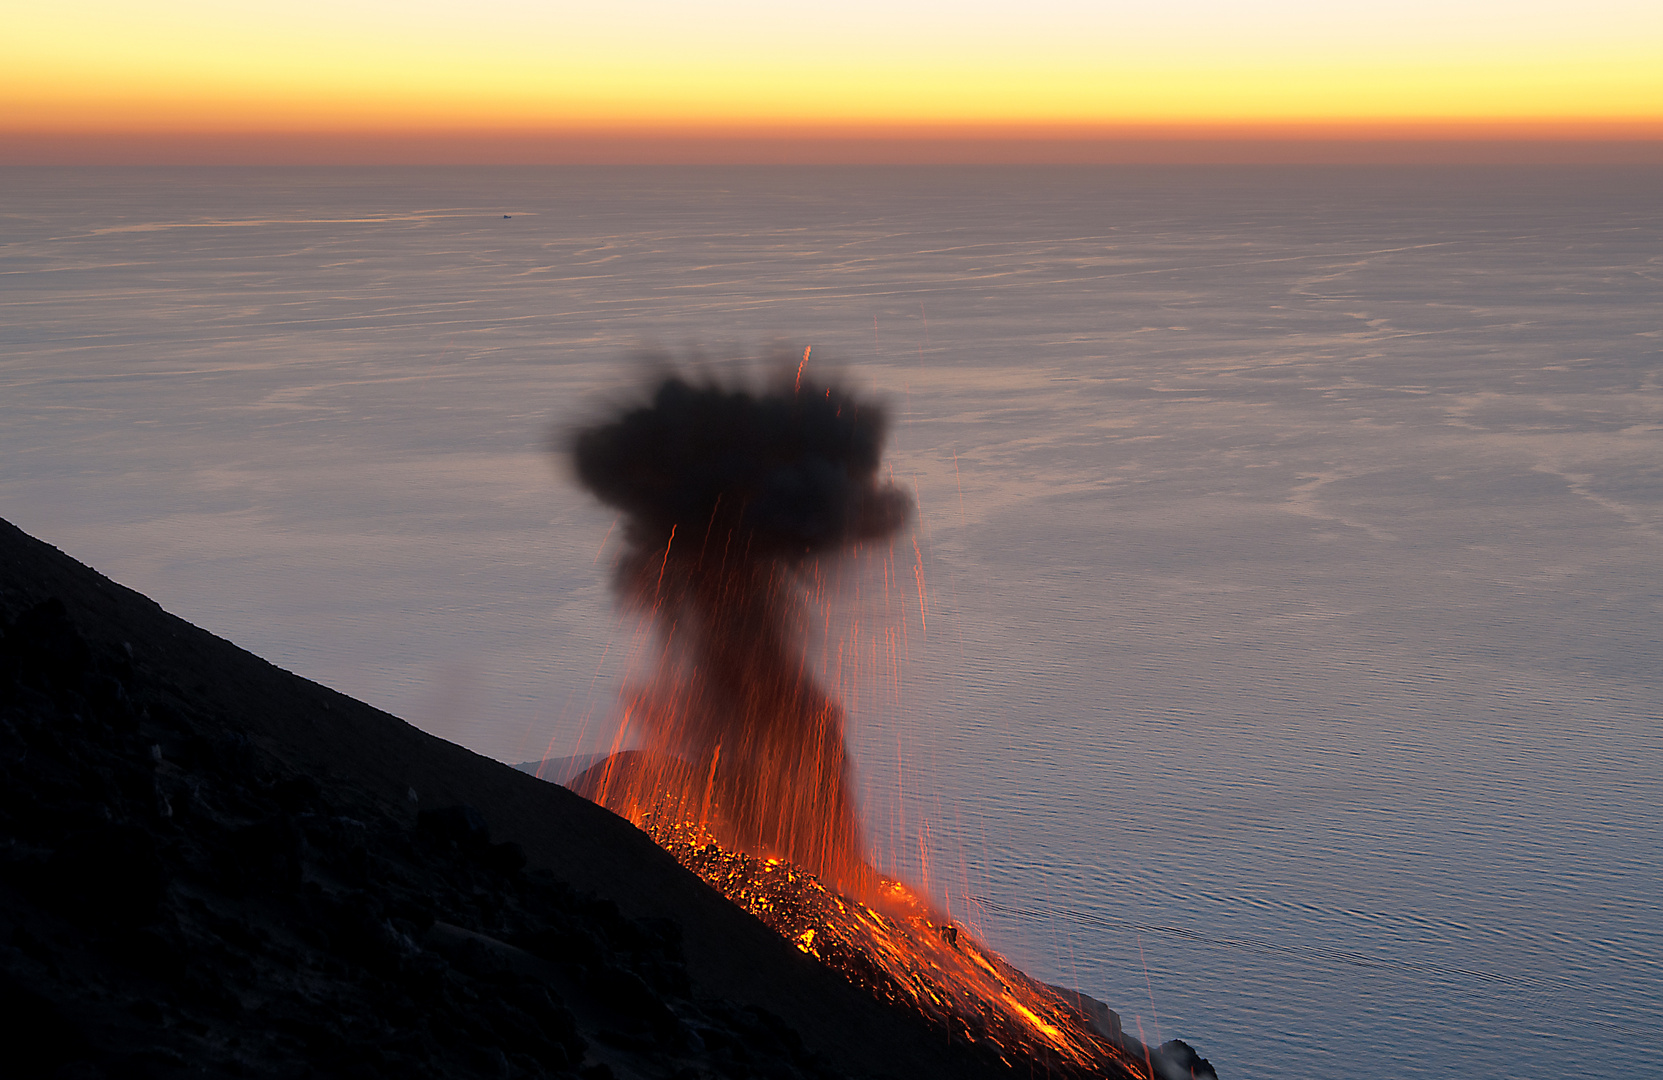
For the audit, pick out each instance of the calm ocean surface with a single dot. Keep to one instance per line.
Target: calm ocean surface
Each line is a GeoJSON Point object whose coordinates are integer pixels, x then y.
{"type": "Point", "coordinates": [1290, 666]}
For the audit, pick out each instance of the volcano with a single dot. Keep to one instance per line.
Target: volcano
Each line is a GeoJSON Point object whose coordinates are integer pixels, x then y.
{"type": "Point", "coordinates": [736, 503]}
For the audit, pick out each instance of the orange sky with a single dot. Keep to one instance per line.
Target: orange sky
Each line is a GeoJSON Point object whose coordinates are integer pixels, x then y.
{"type": "Point", "coordinates": [517, 80]}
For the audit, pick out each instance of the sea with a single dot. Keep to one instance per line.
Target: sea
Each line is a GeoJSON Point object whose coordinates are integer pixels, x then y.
{"type": "Point", "coordinates": [1277, 650]}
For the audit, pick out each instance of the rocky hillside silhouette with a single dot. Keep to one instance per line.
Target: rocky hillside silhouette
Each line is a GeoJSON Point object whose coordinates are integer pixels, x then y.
{"type": "Point", "coordinates": [212, 867]}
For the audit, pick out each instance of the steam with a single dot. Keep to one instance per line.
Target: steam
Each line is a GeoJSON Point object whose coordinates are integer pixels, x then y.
{"type": "Point", "coordinates": [731, 498]}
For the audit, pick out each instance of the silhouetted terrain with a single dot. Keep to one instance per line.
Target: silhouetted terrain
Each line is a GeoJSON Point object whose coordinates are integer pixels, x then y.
{"type": "Point", "coordinates": [209, 866]}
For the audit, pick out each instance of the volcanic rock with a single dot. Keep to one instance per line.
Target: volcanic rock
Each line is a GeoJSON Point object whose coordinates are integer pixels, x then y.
{"type": "Point", "coordinates": [1177, 1060]}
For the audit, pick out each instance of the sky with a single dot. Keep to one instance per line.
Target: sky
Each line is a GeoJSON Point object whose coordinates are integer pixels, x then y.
{"type": "Point", "coordinates": [859, 68]}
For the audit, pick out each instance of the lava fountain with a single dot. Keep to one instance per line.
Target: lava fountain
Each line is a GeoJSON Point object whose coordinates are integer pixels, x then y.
{"type": "Point", "coordinates": [728, 496]}
{"type": "Point", "coordinates": [731, 500]}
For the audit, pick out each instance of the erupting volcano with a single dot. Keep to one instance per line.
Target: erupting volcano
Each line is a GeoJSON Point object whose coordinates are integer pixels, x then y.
{"type": "Point", "coordinates": [733, 499]}
{"type": "Point", "coordinates": [728, 495]}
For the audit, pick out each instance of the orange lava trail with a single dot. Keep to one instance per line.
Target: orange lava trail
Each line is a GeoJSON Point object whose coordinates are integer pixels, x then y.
{"type": "Point", "coordinates": [902, 951]}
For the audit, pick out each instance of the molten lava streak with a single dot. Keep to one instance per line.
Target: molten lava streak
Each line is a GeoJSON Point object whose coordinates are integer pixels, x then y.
{"type": "Point", "coordinates": [739, 769]}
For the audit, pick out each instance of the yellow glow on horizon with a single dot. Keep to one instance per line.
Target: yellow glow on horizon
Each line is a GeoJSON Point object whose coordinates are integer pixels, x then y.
{"type": "Point", "coordinates": [189, 66]}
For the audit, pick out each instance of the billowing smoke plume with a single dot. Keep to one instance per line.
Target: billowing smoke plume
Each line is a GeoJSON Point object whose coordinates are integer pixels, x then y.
{"type": "Point", "coordinates": [730, 497]}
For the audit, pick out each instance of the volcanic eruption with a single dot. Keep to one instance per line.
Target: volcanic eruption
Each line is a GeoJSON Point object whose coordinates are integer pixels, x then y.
{"type": "Point", "coordinates": [731, 753]}
{"type": "Point", "coordinates": [729, 495]}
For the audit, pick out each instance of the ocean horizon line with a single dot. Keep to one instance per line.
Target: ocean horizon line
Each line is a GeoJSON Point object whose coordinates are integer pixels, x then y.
{"type": "Point", "coordinates": [484, 148]}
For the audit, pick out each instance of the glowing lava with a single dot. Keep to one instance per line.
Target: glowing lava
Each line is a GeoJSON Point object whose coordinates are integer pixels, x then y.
{"type": "Point", "coordinates": [901, 951]}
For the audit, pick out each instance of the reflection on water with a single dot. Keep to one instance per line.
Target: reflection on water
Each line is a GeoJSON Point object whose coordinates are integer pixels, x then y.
{"type": "Point", "coordinates": [1292, 538]}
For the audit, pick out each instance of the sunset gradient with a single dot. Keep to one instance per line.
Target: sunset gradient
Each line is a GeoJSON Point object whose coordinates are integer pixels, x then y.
{"type": "Point", "coordinates": [735, 68]}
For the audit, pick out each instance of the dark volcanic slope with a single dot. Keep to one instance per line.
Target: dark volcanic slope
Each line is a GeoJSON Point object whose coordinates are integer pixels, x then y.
{"type": "Point", "coordinates": [210, 866]}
